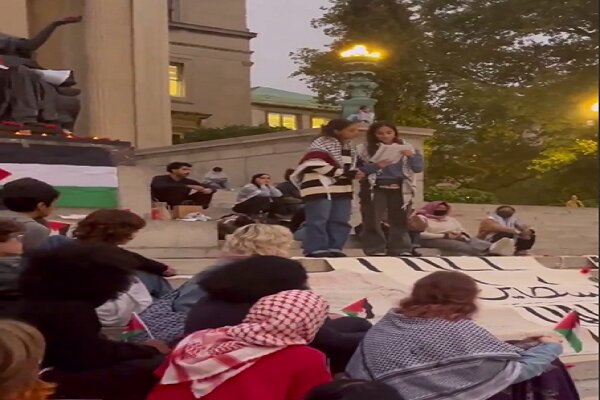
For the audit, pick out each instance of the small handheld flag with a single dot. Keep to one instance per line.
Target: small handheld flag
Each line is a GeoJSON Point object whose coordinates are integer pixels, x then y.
{"type": "Point", "coordinates": [359, 307]}
{"type": "Point", "coordinates": [570, 329]}
{"type": "Point", "coordinates": [135, 328]}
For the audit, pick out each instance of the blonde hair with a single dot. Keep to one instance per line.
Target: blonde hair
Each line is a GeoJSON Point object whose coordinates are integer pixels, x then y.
{"type": "Point", "coordinates": [22, 349]}
{"type": "Point", "coordinates": [259, 240]}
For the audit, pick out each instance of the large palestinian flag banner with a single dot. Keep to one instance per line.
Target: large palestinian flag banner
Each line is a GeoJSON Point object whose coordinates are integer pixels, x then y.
{"type": "Point", "coordinates": [85, 176]}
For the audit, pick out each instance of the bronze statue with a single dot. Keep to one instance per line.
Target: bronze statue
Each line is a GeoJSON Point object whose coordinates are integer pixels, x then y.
{"type": "Point", "coordinates": [30, 94]}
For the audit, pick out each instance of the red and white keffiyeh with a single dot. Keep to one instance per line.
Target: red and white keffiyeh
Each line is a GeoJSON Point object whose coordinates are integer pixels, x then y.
{"type": "Point", "coordinates": [210, 357]}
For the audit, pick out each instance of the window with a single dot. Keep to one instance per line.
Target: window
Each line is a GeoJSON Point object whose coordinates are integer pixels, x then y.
{"type": "Point", "coordinates": [176, 86]}
{"type": "Point", "coordinates": [285, 120]}
{"type": "Point", "coordinates": [318, 122]}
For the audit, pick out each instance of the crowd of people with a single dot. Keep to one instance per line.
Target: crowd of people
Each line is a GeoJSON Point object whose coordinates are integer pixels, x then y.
{"type": "Point", "coordinates": [250, 327]}
{"type": "Point", "coordinates": [315, 200]}
{"type": "Point", "coordinates": [247, 328]}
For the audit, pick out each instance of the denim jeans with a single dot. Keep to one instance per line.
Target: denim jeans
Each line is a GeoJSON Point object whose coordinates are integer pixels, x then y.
{"type": "Point", "coordinates": [327, 225]}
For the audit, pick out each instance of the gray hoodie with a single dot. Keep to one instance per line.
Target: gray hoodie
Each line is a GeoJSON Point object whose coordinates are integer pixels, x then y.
{"type": "Point", "coordinates": [35, 233]}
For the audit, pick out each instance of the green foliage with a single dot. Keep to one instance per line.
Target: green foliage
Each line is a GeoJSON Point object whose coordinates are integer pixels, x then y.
{"type": "Point", "coordinates": [485, 75]}
{"type": "Point", "coordinates": [204, 134]}
{"type": "Point", "coordinates": [473, 196]}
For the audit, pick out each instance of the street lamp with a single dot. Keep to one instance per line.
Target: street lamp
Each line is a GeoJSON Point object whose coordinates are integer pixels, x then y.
{"type": "Point", "coordinates": [360, 61]}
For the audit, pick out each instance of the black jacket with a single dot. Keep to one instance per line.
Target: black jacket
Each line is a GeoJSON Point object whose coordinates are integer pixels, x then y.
{"type": "Point", "coordinates": [73, 338]}
{"type": "Point", "coordinates": [10, 269]}
{"type": "Point", "coordinates": [60, 290]}
{"type": "Point", "coordinates": [338, 338]}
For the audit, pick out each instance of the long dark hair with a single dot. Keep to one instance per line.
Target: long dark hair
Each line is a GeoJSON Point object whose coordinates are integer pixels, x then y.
{"type": "Point", "coordinates": [373, 142]}
{"type": "Point", "coordinates": [256, 176]}
{"type": "Point", "coordinates": [335, 125]}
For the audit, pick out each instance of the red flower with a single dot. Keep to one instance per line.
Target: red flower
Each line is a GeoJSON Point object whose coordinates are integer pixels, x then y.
{"type": "Point", "coordinates": [585, 270]}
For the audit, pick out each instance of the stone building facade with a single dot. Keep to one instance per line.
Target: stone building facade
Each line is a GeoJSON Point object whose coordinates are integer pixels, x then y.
{"type": "Point", "coordinates": [129, 55]}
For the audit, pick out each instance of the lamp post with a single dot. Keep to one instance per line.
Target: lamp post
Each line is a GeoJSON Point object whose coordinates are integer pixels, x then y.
{"type": "Point", "coordinates": [360, 63]}
{"type": "Point", "coordinates": [594, 110]}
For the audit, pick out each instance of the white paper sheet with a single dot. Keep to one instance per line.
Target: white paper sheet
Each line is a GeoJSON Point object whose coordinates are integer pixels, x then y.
{"type": "Point", "coordinates": [391, 152]}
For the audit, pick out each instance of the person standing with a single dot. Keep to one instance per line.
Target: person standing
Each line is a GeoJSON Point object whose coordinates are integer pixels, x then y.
{"type": "Point", "coordinates": [325, 176]}
{"type": "Point", "coordinates": [387, 193]}
{"type": "Point", "coordinates": [177, 189]}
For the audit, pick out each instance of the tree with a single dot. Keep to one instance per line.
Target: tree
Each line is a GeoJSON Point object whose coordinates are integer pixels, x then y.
{"type": "Point", "coordinates": [483, 73]}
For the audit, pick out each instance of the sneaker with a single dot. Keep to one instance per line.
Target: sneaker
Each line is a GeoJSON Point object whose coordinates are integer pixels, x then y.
{"type": "Point", "coordinates": [336, 254]}
{"type": "Point", "coordinates": [503, 247]}
{"type": "Point", "coordinates": [377, 255]}
{"type": "Point", "coordinates": [319, 255]}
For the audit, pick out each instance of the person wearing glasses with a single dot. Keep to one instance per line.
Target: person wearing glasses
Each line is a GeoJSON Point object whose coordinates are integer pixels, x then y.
{"type": "Point", "coordinates": [11, 248]}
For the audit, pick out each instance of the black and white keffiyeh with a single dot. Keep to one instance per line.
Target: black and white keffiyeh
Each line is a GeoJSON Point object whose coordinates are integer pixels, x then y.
{"type": "Point", "coordinates": [434, 359]}
{"type": "Point", "coordinates": [343, 153]}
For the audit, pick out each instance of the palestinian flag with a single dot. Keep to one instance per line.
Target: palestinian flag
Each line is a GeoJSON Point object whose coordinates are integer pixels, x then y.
{"type": "Point", "coordinates": [135, 328]}
{"type": "Point", "coordinates": [361, 308]}
{"type": "Point", "coordinates": [570, 328]}
{"type": "Point", "coordinates": [85, 176]}
{"type": "Point", "coordinates": [58, 228]}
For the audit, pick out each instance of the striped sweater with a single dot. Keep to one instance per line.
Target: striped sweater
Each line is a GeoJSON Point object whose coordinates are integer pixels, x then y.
{"type": "Point", "coordinates": [320, 176]}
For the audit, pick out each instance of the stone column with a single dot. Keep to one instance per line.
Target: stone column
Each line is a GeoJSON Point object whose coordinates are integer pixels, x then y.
{"type": "Point", "coordinates": [151, 79]}
{"type": "Point", "coordinates": [13, 18]}
{"type": "Point", "coordinates": [127, 81]}
{"type": "Point", "coordinates": [110, 99]}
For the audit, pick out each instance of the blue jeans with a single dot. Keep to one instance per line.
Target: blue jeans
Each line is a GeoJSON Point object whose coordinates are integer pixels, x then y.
{"type": "Point", "coordinates": [327, 225]}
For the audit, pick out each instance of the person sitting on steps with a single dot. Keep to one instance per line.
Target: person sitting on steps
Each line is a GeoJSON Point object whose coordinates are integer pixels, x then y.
{"type": "Point", "coordinates": [446, 233]}
{"type": "Point", "coordinates": [258, 197]}
{"type": "Point", "coordinates": [504, 224]}
{"type": "Point", "coordinates": [217, 179]}
{"type": "Point", "coordinates": [177, 189]}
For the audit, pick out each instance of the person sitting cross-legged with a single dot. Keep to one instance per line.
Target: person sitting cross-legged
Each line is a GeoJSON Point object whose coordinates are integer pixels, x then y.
{"type": "Point", "coordinates": [429, 347]}
{"type": "Point", "coordinates": [503, 224]}
{"type": "Point", "coordinates": [176, 188]}
{"type": "Point", "coordinates": [61, 289]}
{"type": "Point", "coordinates": [446, 233]}
{"type": "Point", "coordinates": [258, 197]}
{"type": "Point", "coordinates": [217, 179]}
{"type": "Point", "coordinates": [265, 356]}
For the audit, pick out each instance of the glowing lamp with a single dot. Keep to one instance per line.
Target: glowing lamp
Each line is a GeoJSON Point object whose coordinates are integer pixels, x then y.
{"type": "Point", "coordinates": [361, 51]}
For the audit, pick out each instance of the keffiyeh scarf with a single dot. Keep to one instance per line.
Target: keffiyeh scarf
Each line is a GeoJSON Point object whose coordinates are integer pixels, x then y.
{"type": "Point", "coordinates": [434, 359]}
{"type": "Point", "coordinates": [209, 358]}
{"type": "Point", "coordinates": [336, 150]}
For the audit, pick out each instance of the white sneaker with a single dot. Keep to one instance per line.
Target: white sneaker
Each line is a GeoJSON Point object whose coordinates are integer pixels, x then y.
{"type": "Point", "coordinates": [503, 247]}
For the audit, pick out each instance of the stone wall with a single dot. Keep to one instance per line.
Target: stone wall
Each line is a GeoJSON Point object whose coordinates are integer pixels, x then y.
{"type": "Point", "coordinates": [243, 157]}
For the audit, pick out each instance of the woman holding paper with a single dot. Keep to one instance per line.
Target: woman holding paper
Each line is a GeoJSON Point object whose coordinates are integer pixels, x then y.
{"type": "Point", "coordinates": [387, 192]}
